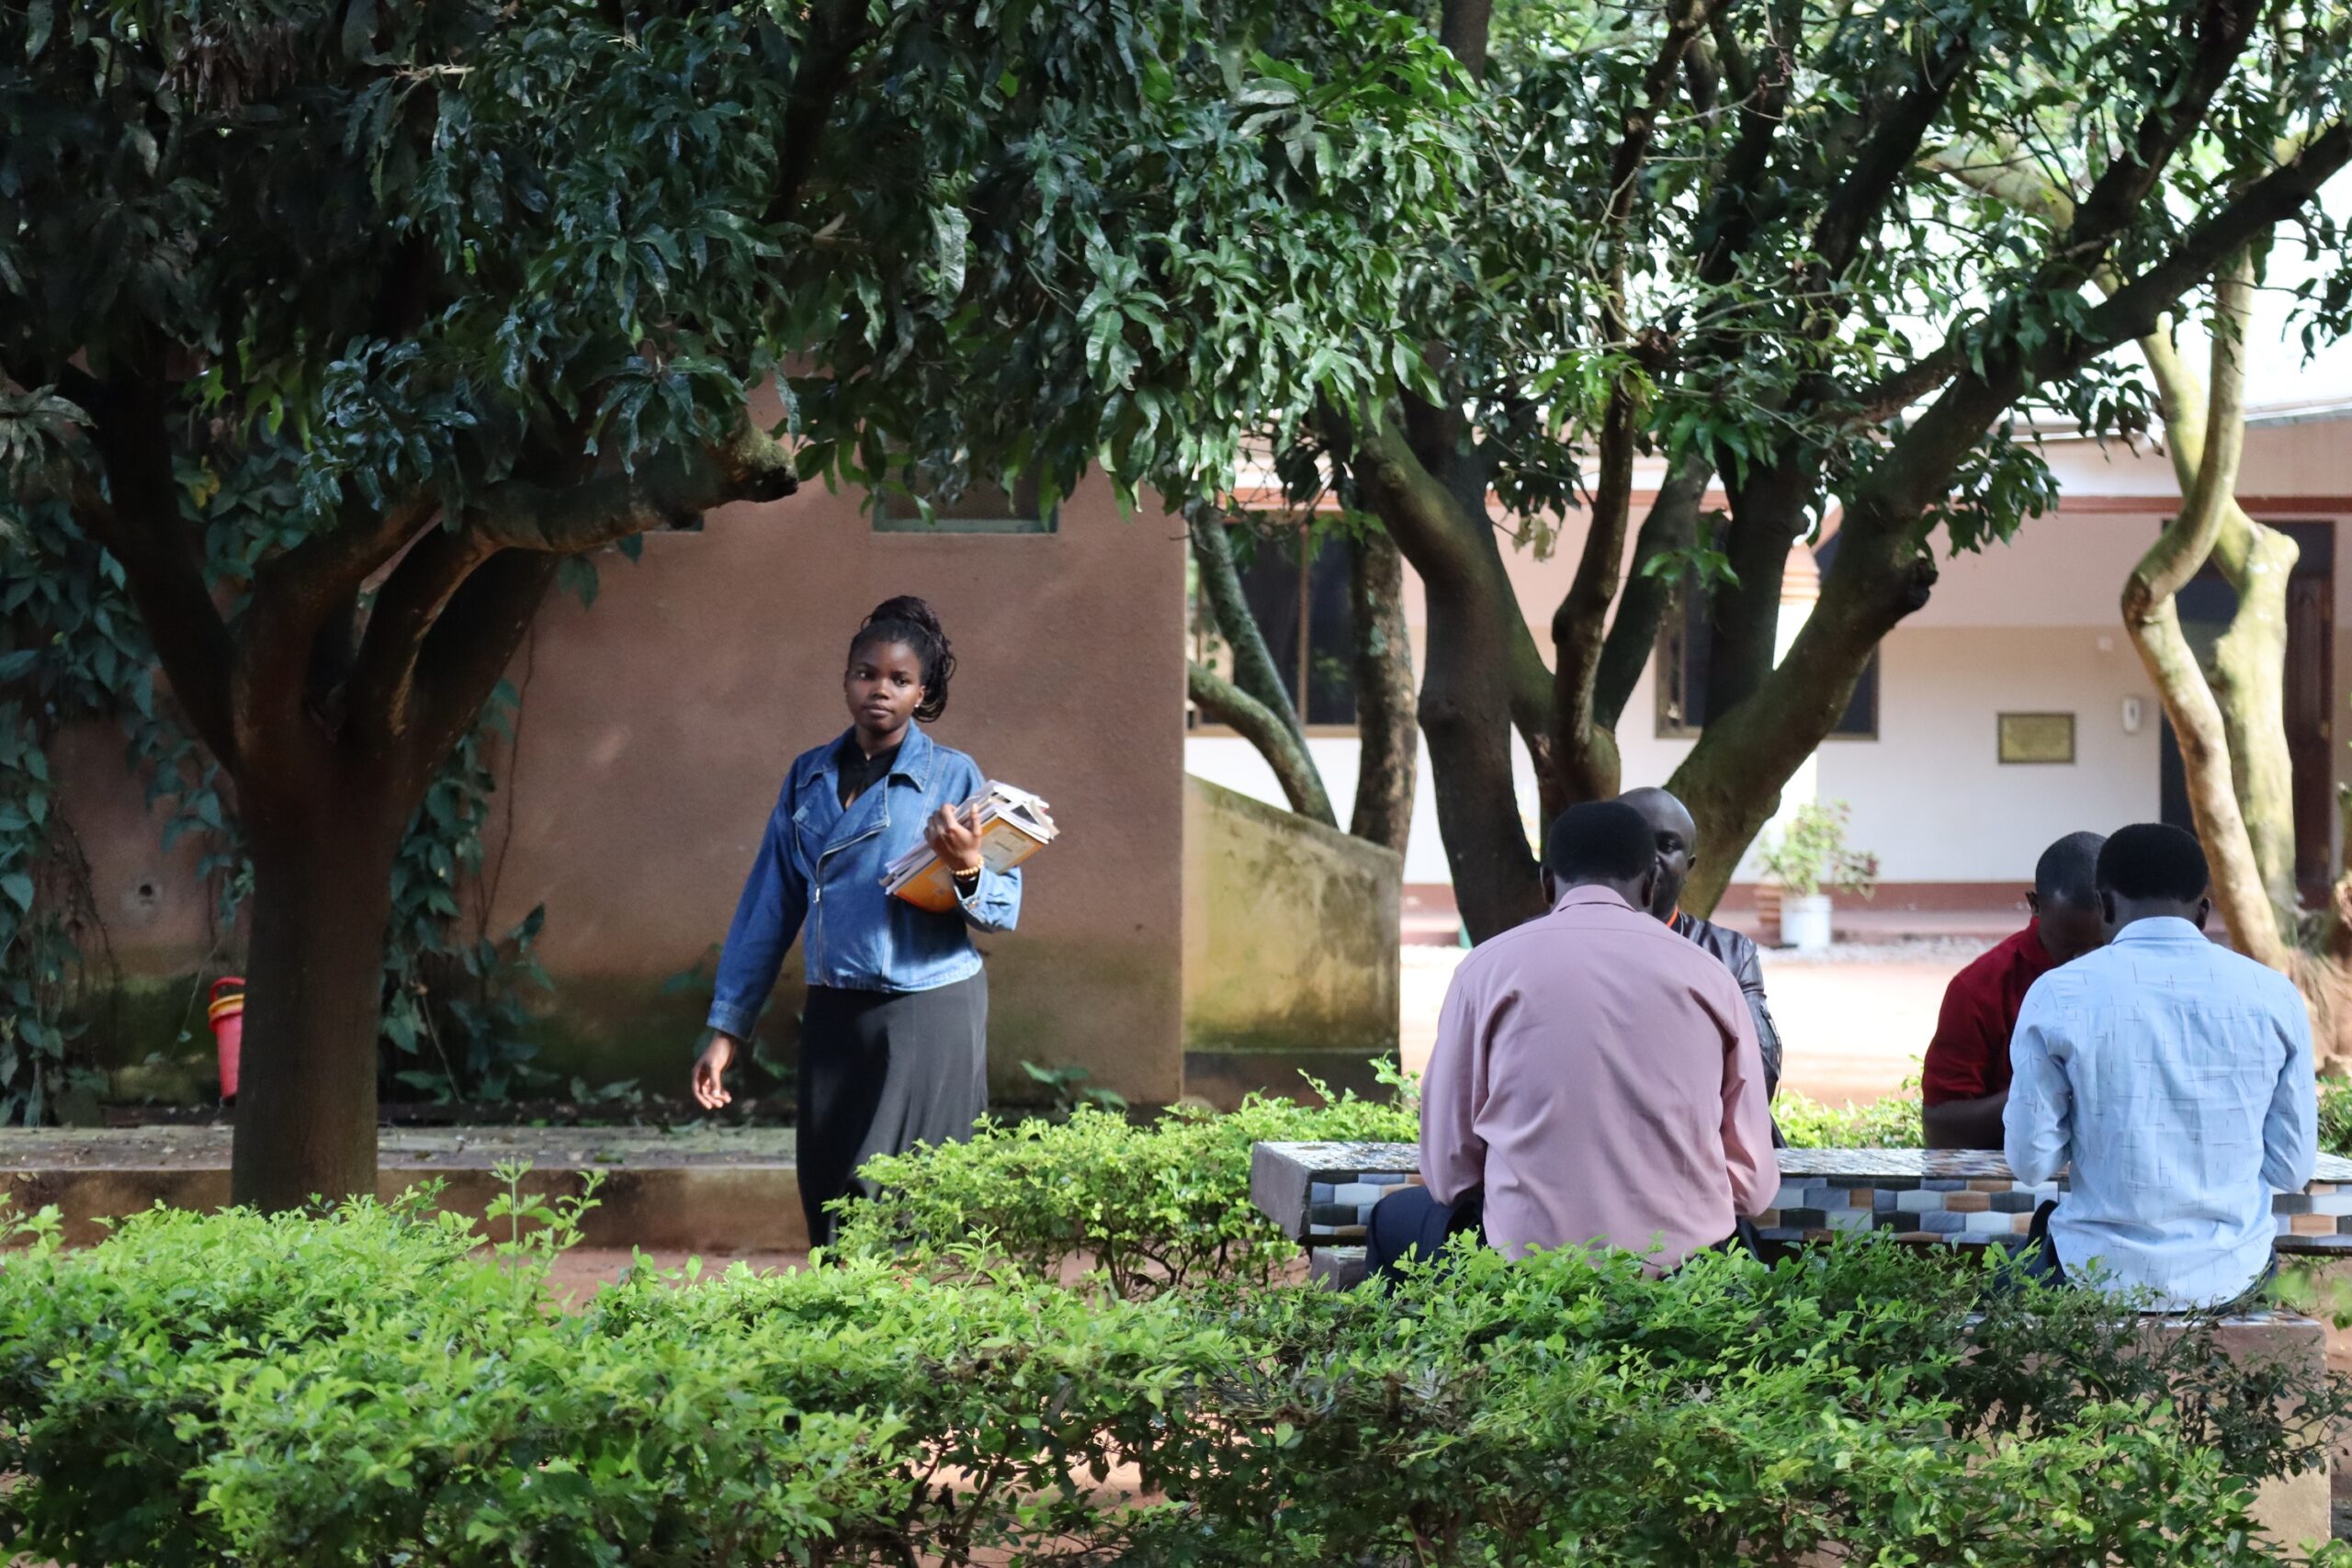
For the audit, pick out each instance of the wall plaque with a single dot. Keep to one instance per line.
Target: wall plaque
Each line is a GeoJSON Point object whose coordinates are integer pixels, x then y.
{"type": "Point", "coordinates": [2037, 737]}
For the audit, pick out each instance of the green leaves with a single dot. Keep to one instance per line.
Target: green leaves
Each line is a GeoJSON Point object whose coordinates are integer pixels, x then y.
{"type": "Point", "coordinates": [365, 1386]}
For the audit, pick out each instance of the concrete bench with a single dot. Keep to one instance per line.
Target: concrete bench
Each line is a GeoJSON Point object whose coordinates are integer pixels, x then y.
{"type": "Point", "coordinates": [1321, 1195]}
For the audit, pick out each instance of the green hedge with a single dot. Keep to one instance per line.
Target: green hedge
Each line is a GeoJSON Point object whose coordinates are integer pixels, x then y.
{"type": "Point", "coordinates": [1157, 1207]}
{"type": "Point", "coordinates": [1889, 1124]}
{"type": "Point", "coordinates": [355, 1390]}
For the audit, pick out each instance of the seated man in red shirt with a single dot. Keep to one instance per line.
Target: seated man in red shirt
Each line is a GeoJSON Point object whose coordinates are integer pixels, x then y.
{"type": "Point", "coordinates": [1965, 1086]}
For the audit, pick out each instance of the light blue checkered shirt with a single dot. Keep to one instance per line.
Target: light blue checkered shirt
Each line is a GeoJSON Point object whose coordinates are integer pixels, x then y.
{"type": "Point", "coordinates": [2174, 1078]}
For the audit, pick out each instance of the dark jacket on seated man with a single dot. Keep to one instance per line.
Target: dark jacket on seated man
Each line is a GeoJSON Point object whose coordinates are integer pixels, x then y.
{"type": "Point", "coordinates": [1739, 954]}
{"type": "Point", "coordinates": [1676, 835]}
{"type": "Point", "coordinates": [1596, 1078]}
{"type": "Point", "coordinates": [1964, 1083]}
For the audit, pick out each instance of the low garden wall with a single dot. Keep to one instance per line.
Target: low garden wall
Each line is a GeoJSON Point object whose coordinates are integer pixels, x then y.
{"type": "Point", "coordinates": [1291, 942]}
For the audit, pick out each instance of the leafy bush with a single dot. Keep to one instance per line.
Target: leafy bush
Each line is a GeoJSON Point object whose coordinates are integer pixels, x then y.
{"type": "Point", "coordinates": [111, 1358]}
{"type": "Point", "coordinates": [1151, 1209]}
{"type": "Point", "coordinates": [840, 1415]}
{"type": "Point", "coordinates": [409, 1404]}
{"type": "Point", "coordinates": [1570, 1409]}
{"type": "Point", "coordinates": [2336, 1116]}
{"type": "Point", "coordinates": [1889, 1124]}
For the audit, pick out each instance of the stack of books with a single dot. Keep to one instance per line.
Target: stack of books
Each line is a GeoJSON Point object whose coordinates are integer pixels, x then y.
{"type": "Point", "coordinates": [1015, 825]}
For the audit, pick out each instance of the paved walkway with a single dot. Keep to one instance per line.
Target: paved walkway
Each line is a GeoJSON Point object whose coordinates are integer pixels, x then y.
{"type": "Point", "coordinates": [1854, 1022]}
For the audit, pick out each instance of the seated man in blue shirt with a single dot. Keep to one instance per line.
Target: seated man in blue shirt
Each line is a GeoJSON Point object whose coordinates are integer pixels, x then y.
{"type": "Point", "coordinates": [2173, 1078]}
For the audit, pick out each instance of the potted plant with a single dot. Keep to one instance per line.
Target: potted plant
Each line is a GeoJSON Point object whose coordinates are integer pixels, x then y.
{"type": "Point", "coordinates": [1808, 860]}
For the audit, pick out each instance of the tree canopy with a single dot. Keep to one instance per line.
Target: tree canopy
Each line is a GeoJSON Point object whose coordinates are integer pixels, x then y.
{"type": "Point", "coordinates": [1729, 237]}
{"type": "Point", "coordinates": [341, 326]}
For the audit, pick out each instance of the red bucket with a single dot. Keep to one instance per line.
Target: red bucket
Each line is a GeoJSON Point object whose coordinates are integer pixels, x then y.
{"type": "Point", "coordinates": [228, 1016]}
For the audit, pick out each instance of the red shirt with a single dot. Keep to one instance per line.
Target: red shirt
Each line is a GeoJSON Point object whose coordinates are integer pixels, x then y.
{"type": "Point", "coordinates": [1969, 1057]}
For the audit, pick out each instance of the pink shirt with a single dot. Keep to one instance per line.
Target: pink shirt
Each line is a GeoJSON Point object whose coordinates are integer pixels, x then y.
{"type": "Point", "coordinates": [1599, 1076]}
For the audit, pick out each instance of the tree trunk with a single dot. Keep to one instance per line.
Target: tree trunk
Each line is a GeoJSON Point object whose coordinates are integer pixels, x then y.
{"type": "Point", "coordinates": [2249, 665]}
{"type": "Point", "coordinates": [1743, 615]}
{"type": "Point", "coordinates": [306, 1118]}
{"type": "Point", "coordinates": [2249, 677]}
{"type": "Point", "coordinates": [1383, 679]}
{"type": "Point", "coordinates": [1484, 673]}
{"type": "Point", "coordinates": [2151, 616]}
{"type": "Point", "coordinates": [1254, 670]}
{"type": "Point", "coordinates": [1284, 751]}
{"type": "Point", "coordinates": [1732, 779]}
{"type": "Point", "coordinates": [2323, 973]}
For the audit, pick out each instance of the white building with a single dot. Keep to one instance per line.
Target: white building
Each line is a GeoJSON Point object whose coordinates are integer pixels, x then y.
{"type": "Point", "coordinates": [2029, 628]}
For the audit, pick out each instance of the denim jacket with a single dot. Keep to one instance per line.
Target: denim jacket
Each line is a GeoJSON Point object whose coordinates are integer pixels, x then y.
{"type": "Point", "coordinates": [820, 868]}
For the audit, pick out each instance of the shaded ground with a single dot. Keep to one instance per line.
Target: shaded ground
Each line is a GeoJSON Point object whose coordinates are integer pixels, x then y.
{"type": "Point", "coordinates": [1854, 1022]}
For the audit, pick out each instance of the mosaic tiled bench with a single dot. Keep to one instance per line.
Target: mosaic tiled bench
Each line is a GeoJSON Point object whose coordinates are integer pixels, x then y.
{"type": "Point", "coordinates": [1322, 1195]}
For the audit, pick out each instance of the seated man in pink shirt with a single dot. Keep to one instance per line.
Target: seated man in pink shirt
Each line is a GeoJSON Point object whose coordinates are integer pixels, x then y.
{"type": "Point", "coordinates": [1596, 1078]}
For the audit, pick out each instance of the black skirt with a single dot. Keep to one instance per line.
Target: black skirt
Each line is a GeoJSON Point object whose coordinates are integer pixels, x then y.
{"type": "Point", "coordinates": [880, 1072]}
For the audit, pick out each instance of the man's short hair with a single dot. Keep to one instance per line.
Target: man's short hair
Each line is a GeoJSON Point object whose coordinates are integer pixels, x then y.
{"type": "Point", "coordinates": [1600, 840]}
{"type": "Point", "coordinates": [2152, 860]}
{"type": "Point", "coordinates": [2068, 871]}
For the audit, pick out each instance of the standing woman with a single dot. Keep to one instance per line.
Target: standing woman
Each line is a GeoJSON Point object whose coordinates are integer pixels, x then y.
{"type": "Point", "coordinates": [894, 1038]}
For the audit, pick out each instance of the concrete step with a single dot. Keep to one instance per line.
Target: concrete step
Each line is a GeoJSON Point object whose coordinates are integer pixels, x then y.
{"type": "Point", "coordinates": [717, 1191]}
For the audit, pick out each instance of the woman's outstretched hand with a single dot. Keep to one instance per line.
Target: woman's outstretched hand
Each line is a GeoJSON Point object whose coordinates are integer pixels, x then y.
{"type": "Point", "coordinates": [711, 1072]}
{"type": "Point", "coordinates": [955, 838]}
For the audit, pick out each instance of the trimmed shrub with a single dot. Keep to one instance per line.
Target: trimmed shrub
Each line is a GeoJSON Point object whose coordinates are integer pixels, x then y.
{"type": "Point", "coordinates": [1151, 1209]}
{"type": "Point", "coordinates": [1889, 1124]}
{"type": "Point", "coordinates": [1566, 1409]}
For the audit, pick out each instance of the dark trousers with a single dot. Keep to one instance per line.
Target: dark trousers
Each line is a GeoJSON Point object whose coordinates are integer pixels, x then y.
{"type": "Point", "coordinates": [1412, 1226]}
{"type": "Point", "coordinates": [880, 1072]}
{"type": "Point", "coordinates": [2038, 1260]}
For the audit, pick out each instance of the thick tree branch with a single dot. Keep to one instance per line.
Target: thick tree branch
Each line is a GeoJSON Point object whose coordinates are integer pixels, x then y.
{"type": "Point", "coordinates": [669, 489]}
{"type": "Point", "coordinates": [380, 701]}
{"type": "Point", "coordinates": [2135, 307]}
{"type": "Point", "coordinates": [1451, 542]}
{"type": "Point", "coordinates": [1587, 770]}
{"type": "Point", "coordinates": [1890, 151]}
{"type": "Point", "coordinates": [836, 29]}
{"type": "Point", "coordinates": [1463, 26]}
{"type": "Point", "coordinates": [466, 652]}
{"type": "Point", "coordinates": [295, 596]}
{"type": "Point", "coordinates": [1891, 394]}
{"type": "Point", "coordinates": [1671, 526]}
{"type": "Point", "coordinates": [1730, 219]}
{"type": "Point", "coordinates": [2184, 544]}
{"type": "Point", "coordinates": [2151, 616]}
{"type": "Point", "coordinates": [1254, 670]}
{"type": "Point", "coordinates": [1684, 19]}
{"type": "Point", "coordinates": [138, 520]}
{"type": "Point", "coordinates": [1584, 757]}
{"type": "Point", "coordinates": [1284, 751]}
{"type": "Point", "coordinates": [2220, 31]}
{"type": "Point", "coordinates": [1388, 758]}
{"type": "Point", "coordinates": [533, 518]}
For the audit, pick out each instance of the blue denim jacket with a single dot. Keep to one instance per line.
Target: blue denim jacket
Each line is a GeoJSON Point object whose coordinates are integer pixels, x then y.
{"type": "Point", "coordinates": [822, 864]}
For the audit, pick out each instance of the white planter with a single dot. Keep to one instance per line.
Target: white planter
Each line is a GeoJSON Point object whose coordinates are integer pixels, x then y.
{"type": "Point", "coordinates": [1804, 923]}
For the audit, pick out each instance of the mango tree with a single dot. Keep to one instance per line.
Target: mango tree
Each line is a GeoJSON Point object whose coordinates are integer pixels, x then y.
{"type": "Point", "coordinates": [342, 326]}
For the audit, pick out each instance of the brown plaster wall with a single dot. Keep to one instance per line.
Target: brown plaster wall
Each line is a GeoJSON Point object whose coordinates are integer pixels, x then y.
{"type": "Point", "coordinates": [657, 727]}
{"type": "Point", "coordinates": [655, 730]}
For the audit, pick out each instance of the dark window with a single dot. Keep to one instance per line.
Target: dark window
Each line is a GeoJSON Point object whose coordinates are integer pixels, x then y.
{"type": "Point", "coordinates": [1684, 645]}
{"type": "Point", "coordinates": [983, 508]}
{"type": "Point", "coordinates": [1271, 585]}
